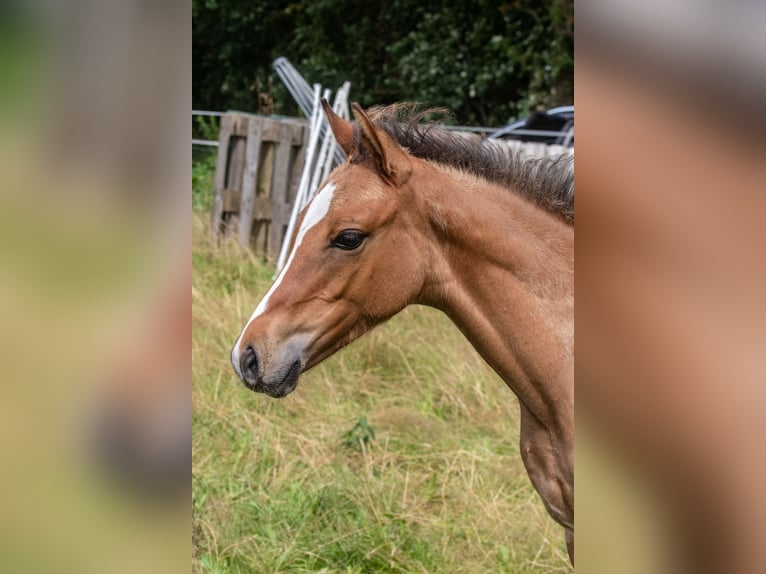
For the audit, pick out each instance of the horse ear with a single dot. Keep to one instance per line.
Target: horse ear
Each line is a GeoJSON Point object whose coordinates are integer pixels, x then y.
{"type": "Point", "coordinates": [393, 162]}
{"type": "Point", "coordinates": [341, 129]}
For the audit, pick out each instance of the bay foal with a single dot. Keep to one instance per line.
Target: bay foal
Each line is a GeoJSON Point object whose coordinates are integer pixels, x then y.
{"type": "Point", "coordinates": [419, 215]}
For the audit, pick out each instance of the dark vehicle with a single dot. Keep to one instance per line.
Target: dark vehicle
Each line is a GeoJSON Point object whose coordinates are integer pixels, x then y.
{"type": "Point", "coordinates": [556, 126]}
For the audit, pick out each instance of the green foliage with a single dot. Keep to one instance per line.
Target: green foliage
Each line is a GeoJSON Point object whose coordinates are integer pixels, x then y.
{"type": "Point", "coordinates": [360, 436]}
{"type": "Point", "coordinates": [487, 61]}
{"type": "Point", "coordinates": [206, 127]}
{"type": "Point", "coordinates": [203, 171]}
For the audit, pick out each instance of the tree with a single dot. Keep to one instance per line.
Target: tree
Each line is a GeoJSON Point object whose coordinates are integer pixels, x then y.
{"type": "Point", "coordinates": [487, 61]}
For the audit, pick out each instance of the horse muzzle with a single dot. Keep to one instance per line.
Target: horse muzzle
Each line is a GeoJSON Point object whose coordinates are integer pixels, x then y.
{"type": "Point", "coordinates": [251, 370]}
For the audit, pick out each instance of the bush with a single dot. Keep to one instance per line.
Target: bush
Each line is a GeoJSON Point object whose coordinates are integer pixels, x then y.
{"type": "Point", "coordinates": [203, 172]}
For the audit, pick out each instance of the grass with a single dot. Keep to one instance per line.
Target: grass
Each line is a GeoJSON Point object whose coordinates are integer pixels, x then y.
{"type": "Point", "coordinates": [399, 454]}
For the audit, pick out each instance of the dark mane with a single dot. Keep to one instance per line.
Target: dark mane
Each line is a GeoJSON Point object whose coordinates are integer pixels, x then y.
{"type": "Point", "coordinates": [546, 181]}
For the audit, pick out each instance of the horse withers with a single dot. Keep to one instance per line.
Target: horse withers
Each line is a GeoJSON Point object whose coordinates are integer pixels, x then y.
{"type": "Point", "coordinates": [418, 215]}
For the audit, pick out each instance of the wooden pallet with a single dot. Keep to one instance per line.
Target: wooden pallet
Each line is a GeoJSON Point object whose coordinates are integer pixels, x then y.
{"type": "Point", "coordinates": [257, 175]}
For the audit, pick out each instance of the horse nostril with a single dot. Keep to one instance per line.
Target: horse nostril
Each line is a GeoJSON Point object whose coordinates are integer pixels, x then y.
{"type": "Point", "coordinates": [249, 364]}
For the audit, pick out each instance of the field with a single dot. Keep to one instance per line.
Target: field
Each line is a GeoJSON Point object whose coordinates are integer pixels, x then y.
{"type": "Point", "coordinates": [399, 454]}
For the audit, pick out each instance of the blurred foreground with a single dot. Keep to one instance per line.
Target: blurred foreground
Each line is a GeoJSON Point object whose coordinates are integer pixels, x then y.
{"type": "Point", "coordinates": [671, 314]}
{"type": "Point", "coordinates": [94, 287]}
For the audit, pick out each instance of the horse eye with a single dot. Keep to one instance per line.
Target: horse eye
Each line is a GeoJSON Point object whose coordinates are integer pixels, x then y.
{"type": "Point", "coordinates": [348, 239]}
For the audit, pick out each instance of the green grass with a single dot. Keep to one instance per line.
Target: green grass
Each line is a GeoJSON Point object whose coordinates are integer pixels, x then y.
{"type": "Point", "coordinates": [399, 454]}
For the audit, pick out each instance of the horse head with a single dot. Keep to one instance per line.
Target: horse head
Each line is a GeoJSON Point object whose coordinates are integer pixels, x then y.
{"type": "Point", "coordinates": [354, 263]}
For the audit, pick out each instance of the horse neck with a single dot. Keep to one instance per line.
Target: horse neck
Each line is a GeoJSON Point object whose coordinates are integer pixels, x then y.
{"type": "Point", "coordinates": [502, 269]}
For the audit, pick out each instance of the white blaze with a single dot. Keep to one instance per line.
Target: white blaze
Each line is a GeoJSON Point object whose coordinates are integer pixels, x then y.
{"type": "Point", "coordinates": [316, 211]}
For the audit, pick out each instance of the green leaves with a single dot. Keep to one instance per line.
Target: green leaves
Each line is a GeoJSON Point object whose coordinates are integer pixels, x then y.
{"type": "Point", "coordinates": [490, 62]}
{"type": "Point", "coordinates": [360, 436]}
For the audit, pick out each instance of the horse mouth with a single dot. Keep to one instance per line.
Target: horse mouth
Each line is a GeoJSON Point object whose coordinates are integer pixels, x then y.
{"type": "Point", "coordinates": [283, 387]}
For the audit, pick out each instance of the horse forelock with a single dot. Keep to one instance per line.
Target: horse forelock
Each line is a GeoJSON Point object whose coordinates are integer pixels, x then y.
{"type": "Point", "coordinates": [546, 181]}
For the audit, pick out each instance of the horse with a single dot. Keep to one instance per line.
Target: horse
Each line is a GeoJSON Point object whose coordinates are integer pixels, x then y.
{"type": "Point", "coordinates": [421, 215]}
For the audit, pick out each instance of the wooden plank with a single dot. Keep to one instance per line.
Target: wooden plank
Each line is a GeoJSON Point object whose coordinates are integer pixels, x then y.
{"type": "Point", "coordinates": [231, 200]}
{"type": "Point", "coordinates": [270, 130]}
{"type": "Point", "coordinates": [262, 214]}
{"type": "Point", "coordinates": [236, 169]}
{"type": "Point", "coordinates": [263, 208]}
{"type": "Point", "coordinates": [249, 179]}
{"type": "Point", "coordinates": [224, 133]}
{"type": "Point", "coordinates": [239, 124]}
{"type": "Point", "coordinates": [262, 211]}
{"type": "Point", "coordinates": [297, 158]}
{"type": "Point", "coordinates": [266, 170]}
{"type": "Point", "coordinates": [299, 130]}
{"type": "Point", "coordinates": [234, 176]}
{"type": "Point", "coordinates": [216, 216]}
{"type": "Point", "coordinates": [280, 189]}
